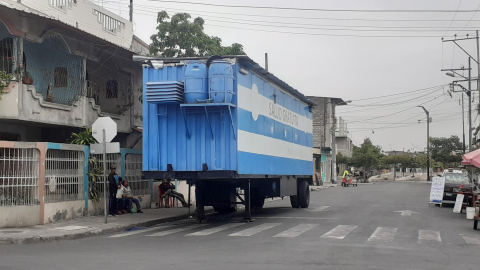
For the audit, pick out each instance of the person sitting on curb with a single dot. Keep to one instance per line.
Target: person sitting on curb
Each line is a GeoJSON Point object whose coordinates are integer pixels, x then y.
{"type": "Point", "coordinates": [121, 202]}
{"type": "Point", "coordinates": [169, 190]}
{"type": "Point", "coordinates": [128, 198]}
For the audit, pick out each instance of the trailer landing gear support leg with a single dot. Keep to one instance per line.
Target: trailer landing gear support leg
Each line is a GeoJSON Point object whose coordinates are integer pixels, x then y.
{"type": "Point", "coordinates": [200, 203]}
{"type": "Point", "coordinates": [248, 216]}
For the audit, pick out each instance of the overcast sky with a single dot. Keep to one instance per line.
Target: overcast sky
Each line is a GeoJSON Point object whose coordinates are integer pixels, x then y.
{"type": "Point", "coordinates": [354, 67]}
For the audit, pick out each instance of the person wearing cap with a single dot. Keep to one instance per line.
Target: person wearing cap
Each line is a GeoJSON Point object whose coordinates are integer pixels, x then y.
{"type": "Point", "coordinates": [114, 184]}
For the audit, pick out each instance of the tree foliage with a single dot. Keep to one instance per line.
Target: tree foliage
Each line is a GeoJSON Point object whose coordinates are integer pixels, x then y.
{"type": "Point", "coordinates": [405, 160]}
{"type": "Point", "coordinates": [341, 159]}
{"type": "Point", "coordinates": [443, 151]}
{"type": "Point", "coordinates": [178, 36]}
{"type": "Point", "coordinates": [366, 156]}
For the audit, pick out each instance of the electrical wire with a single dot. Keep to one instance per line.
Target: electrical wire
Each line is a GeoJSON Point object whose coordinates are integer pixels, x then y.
{"type": "Point", "coordinates": [460, 2]}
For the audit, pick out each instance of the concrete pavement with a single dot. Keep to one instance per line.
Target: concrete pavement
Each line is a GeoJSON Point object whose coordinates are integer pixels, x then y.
{"type": "Point", "coordinates": [344, 228]}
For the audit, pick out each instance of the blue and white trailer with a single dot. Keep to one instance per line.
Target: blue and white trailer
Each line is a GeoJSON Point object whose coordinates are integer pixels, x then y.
{"type": "Point", "coordinates": [225, 124]}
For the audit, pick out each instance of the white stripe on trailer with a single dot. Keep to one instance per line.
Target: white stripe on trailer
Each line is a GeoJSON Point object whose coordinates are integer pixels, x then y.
{"type": "Point", "coordinates": [176, 230]}
{"type": "Point", "coordinates": [263, 145]}
{"type": "Point", "coordinates": [216, 229]}
{"type": "Point", "coordinates": [383, 234]}
{"type": "Point", "coordinates": [339, 232]}
{"type": "Point", "coordinates": [140, 231]}
{"type": "Point", "coordinates": [427, 235]}
{"type": "Point", "coordinates": [258, 104]}
{"type": "Point", "coordinates": [255, 230]}
{"type": "Point", "coordinates": [296, 231]}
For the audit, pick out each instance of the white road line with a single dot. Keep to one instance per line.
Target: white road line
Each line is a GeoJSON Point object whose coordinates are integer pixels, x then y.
{"type": "Point", "coordinates": [427, 235]}
{"type": "Point", "coordinates": [140, 231]}
{"type": "Point", "coordinates": [339, 232]}
{"type": "Point", "coordinates": [216, 229]}
{"type": "Point", "coordinates": [318, 209]}
{"type": "Point", "coordinates": [298, 217]}
{"type": "Point", "coordinates": [296, 231]}
{"type": "Point", "coordinates": [176, 230]}
{"type": "Point", "coordinates": [472, 240]}
{"type": "Point", "coordinates": [383, 234]}
{"type": "Point", "coordinates": [254, 230]}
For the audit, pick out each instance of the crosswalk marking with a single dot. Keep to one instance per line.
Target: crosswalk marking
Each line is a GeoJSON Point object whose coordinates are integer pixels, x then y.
{"type": "Point", "coordinates": [318, 209]}
{"type": "Point", "coordinates": [427, 235]}
{"type": "Point", "coordinates": [139, 231]}
{"type": "Point", "coordinates": [254, 230]}
{"type": "Point", "coordinates": [383, 234]}
{"type": "Point", "coordinates": [216, 229]}
{"type": "Point", "coordinates": [472, 240]}
{"type": "Point", "coordinates": [176, 230]}
{"type": "Point", "coordinates": [339, 232]}
{"type": "Point", "coordinates": [296, 231]}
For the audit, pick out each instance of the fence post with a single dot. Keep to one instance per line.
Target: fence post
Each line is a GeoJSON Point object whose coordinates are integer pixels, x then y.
{"type": "Point", "coordinates": [86, 156]}
{"type": "Point", "coordinates": [42, 148]}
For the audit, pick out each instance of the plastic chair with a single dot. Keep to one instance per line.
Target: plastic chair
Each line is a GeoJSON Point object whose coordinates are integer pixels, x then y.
{"type": "Point", "coordinates": [170, 200]}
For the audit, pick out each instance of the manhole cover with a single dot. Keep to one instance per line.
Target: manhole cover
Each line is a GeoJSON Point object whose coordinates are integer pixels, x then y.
{"type": "Point", "coordinates": [9, 232]}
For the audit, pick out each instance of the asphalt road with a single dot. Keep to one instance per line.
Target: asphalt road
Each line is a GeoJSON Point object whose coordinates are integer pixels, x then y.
{"type": "Point", "coordinates": [344, 228]}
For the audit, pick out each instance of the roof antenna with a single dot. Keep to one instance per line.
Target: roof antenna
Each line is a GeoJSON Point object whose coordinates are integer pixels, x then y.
{"type": "Point", "coordinates": [266, 61]}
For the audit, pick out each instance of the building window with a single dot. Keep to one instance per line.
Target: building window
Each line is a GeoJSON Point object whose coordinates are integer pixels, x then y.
{"type": "Point", "coordinates": [112, 89]}
{"type": "Point", "coordinates": [6, 50]}
{"type": "Point", "coordinates": [60, 77]}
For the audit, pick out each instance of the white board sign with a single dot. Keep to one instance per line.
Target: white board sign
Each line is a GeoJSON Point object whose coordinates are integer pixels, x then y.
{"type": "Point", "coordinates": [458, 203]}
{"type": "Point", "coordinates": [436, 191]}
{"type": "Point", "coordinates": [111, 148]}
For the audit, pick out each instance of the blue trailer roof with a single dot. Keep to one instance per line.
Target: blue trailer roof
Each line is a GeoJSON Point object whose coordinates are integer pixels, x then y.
{"type": "Point", "coordinates": [153, 61]}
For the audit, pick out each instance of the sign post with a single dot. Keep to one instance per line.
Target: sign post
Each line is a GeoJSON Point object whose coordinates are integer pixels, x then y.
{"type": "Point", "coordinates": [436, 191]}
{"type": "Point", "coordinates": [104, 130]}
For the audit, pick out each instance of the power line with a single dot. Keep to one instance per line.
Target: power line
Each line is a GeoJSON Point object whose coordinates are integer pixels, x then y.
{"type": "Point", "coordinates": [460, 2]}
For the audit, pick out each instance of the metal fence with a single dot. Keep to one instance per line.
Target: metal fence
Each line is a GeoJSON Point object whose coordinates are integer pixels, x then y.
{"type": "Point", "coordinates": [133, 173]}
{"type": "Point", "coordinates": [112, 159]}
{"type": "Point", "coordinates": [19, 174]}
{"type": "Point", "coordinates": [64, 175]}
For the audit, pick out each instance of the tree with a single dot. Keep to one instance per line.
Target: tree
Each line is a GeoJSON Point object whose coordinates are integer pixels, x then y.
{"type": "Point", "coordinates": [443, 151]}
{"type": "Point", "coordinates": [405, 161]}
{"type": "Point", "coordinates": [180, 37]}
{"type": "Point", "coordinates": [366, 156]}
{"type": "Point", "coordinates": [341, 159]}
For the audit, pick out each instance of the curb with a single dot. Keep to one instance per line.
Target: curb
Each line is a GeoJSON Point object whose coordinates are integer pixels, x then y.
{"type": "Point", "coordinates": [97, 232]}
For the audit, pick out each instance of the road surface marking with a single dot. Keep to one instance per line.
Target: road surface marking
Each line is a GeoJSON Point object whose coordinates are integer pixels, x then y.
{"type": "Point", "coordinates": [216, 229]}
{"type": "Point", "coordinates": [406, 212]}
{"type": "Point", "coordinates": [139, 231]}
{"type": "Point", "coordinates": [176, 230]}
{"type": "Point", "coordinates": [339, 232]}
{"type": "Point", "coordinates": [318, 209]}
{"type": "Point", "coordinates": [298, 217]}
{"type": "Point", "coordinates": [383, 234]}
{"type": "Point", "coordinates": [426, 235]}
{"type": "Point", "coordinates": [472, 240]}
{"type": "Point", "coordinates": [254, 230]}
{"type": "Point", "coordinates": [296, 231]}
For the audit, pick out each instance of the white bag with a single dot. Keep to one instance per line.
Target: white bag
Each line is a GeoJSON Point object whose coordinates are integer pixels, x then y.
{"type": "Point", "coordinates": [119, 193]}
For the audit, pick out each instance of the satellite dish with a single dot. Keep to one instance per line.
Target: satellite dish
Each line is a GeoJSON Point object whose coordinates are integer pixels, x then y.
{"type": "Point", "coordinates": [52, 183]}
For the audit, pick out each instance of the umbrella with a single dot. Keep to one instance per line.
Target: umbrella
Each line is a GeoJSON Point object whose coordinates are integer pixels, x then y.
{"type": "Point", "coordinates": [472, 159]}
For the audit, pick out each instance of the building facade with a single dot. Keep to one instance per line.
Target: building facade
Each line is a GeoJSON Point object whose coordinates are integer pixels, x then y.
{"type": "Point", "coordinates": [69, 62]}
{"type": "Point", "coordinates": [344, 143]}
{"type": "Point", "coordinates": [324, 126]}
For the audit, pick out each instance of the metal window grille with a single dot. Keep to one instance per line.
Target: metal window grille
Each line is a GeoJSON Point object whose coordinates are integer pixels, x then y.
{"type": "Point", "coordinates": [19, 172]}
{"type": "Point", "coordinates": [62, 3]}
{"type": "Point", "coordinates": [64, 175]}
{"type": "Point", "coordinates": [133, 173]}
{"type": "Point", "coordinates": [114, 159]}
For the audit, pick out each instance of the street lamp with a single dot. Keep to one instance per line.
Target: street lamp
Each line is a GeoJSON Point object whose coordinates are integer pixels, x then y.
{"type": "Point", "coordinates": [428, 142]}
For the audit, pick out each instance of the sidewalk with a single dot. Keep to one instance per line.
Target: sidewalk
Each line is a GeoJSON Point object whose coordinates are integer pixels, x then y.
{"type": "Point", "coordinates": [90, 226]}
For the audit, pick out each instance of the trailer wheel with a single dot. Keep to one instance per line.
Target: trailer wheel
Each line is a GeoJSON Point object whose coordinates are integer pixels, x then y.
{"type": "Point", "coordinates": [294, 201]}
{"type": "Point", "coordinates": [257, 202]}
{"type": "Point", "coordinates": [303, 194]}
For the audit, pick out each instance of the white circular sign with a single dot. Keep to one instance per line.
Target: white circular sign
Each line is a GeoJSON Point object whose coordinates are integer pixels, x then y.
{"type": "Point", "coordinates": [110, 129]}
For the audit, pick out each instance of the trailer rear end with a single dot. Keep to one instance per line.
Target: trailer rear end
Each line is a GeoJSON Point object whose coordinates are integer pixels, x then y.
{"type": "Point", "coordinates": [226, 126]}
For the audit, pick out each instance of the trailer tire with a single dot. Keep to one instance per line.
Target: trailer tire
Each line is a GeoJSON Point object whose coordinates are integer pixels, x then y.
{"type": "Point", "coordinates": [303, 194]}
{"type": "Point", "coordinates": [257, 202]}
{"type": "Point", "coordinates": [294, 201]}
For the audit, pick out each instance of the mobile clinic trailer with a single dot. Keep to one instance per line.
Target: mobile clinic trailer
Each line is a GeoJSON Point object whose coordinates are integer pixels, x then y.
{"type": "Point", "coordinates": [225, 124]}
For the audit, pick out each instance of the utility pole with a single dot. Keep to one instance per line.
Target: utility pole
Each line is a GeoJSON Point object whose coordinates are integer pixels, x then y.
{"type": "Point", "coordinates": [131, 10]}
{"type": "Point", "coordinates": [428, 142]}
{"type": "Point", "coordinates": [463, 125]}
{"type": "Point", "coordinates": [469, 106]}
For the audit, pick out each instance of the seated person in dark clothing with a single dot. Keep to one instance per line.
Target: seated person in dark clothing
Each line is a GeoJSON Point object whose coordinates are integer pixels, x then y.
{"type": "Point", "coordinates": [169, 190]}
{"type": "Point", "coordinates": [114, 184]}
